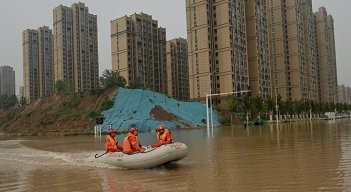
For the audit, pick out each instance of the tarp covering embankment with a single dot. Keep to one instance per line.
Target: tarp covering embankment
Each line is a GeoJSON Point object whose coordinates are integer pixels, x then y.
{"type": "Point", "coordinates": [148, 109]}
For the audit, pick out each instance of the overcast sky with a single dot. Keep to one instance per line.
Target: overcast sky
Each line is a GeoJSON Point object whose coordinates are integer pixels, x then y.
{"type": "Point", "coordinates": [18, 15]}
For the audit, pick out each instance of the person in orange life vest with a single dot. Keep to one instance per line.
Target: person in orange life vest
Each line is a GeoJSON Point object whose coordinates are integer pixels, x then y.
{"type": "Point", "coordinates": [163, 136]}
{"type": "Point", "coordinates": [111, 143]}
{"type": "Point", "coordinates": [131, 143]}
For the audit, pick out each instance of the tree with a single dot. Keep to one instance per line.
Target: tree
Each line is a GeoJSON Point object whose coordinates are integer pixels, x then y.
{"type": "Point", "coordinates": [7, 102]}
{"type": "Point", "coordinates": [233, 105]}
{"type": "Point", "coordinates": [258, 104]}
{"type": "Point", "coordinates": [59, 86]}
{"type": "Point", "coordinates": [270, 104]}
{"type": "Point", "coordinates": [112, 79]}
{"type": "Point", "coordinates": [62, 87]}
{"type": "Point", "coordinates": [247, 106]}
{"type": "Point", "coordinates": [22, 101]}
{"type": "Point", "coordinates": [136, 84]}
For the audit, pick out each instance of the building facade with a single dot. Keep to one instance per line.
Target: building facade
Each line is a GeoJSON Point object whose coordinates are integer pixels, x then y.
{"type": "Point", "coordinates": [177, 68]}
{"type": "Point", "coordinates": [217, 46]}
{"type": "Point", "coordinates": [288, 55]}
{"type": "Point", "coordinates": [138, 48]}
{"type": "Point", "coordinates": [21, 92]}
{"type": "Point", "coordinates": [310, 42]}
{"type": "Point", "coordinates": [76, 47]}
{"type": "Point", "coordinates": [38, 65]}
{"type": "Point", "coordinates": [7, 81]}
{"type": "Point", "coordinates": [326, 56]}
{"type": "Point", "coordinates": [46, 62]}
{"type": "Point", "coordinates": [30, 39]}
{"type": "Point", "coordinates": [344, 94]}
{"type": "Point", "coordinates": [258, 48]}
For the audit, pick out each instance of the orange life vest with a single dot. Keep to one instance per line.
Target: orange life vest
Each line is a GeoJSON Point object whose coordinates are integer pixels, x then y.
{"type": "Point", "coordinates": [165, 138]}
{"type": "Point", "coordinates": [131, 143]}
{"type": "Point", "coordinates": [110, 143]}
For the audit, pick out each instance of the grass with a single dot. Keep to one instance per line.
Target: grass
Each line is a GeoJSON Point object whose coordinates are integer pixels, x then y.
{"type": "Point", "coordinates": [106, 105]}
{"type": "Point", "coordinates": [6, 118]}
{"type": "Point", "coordinates": [45, 122]}
{"type": "Point", "coordinates": [30, 114]}
{"type": "Point", "coordinates": [93, 114]}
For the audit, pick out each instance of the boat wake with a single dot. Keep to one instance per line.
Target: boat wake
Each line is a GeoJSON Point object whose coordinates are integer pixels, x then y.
{"type": "Point", "coordinates": [14, 152]}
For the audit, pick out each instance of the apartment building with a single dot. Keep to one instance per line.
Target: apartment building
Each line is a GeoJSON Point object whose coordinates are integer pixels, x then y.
{"type": "Point", "coordinates": [76, 47]}
{"type": "Point", "coordinates": [288, 55]}
{"type": "Point", "coordinates": [326, 56]}
{"type": "Point", "coordinates": [46, 65]}
{"type": "Point", "coordinates": [310, 42]}
{"type": "Point", "coordinates": [7, 81]}
{"type": "Point", "coordinates": [177, 68]}
{"type": "Point", "coordinates": [138, 49]}
{"type": "Point", "coordinates": [38, 75]}
{"type": "Point", "coordinates": [217, 46]}
{"type": "Point", "coordinates": [258, 48]}
{"type": "Point", "coordinates": [30, 39]}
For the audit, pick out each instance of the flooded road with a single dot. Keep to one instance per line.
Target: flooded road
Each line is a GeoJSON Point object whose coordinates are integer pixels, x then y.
{"type": "Point", "coordinates": [294, 157]}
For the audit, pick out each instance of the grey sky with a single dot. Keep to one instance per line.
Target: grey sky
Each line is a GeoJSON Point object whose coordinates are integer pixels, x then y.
{"type": "Point", "coordinates": [18, 15]}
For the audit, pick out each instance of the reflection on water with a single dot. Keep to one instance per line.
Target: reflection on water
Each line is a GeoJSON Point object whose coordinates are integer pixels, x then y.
{"type": "Point", "coordinates": [300, 156]}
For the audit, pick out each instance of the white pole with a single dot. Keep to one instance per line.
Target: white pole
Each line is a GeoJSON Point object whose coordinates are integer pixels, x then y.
{"type": "Point", "coordinates": [207, 119]}
{"type": "Point", "coordinates": [209, 78]}
{"type": "Point", "coordinates": [276, 105]}
{"type": "Point", "coordinates": [211, 116]}
{"type": "Point", "coordinates": [310, 114]}
{"type": "Point", "coordinates": [100, 128]}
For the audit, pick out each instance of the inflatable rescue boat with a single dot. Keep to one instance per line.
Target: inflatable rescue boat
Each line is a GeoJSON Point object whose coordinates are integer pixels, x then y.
{"type": "Point", "coordinates": [151, 157]}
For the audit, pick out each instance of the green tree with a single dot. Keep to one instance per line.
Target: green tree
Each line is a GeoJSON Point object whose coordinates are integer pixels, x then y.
{"type": "Point", "coordinates": [247, 105]}
{"type": "Point", "coordinates": [270, 104]}
{"type": "Point", "coordinates": [64, 87]}
{"type": "Point", "coordinates": [22, 101]}
{"type": "Point", "coordinates": [112, 79]}
{"type": "Point", "coordinates": [233, 106]}
{"type": "Point", "coordinates": [258, 105]}
{"type": "Point", "coordinates": [136, 84]}
{"type": "Point", "coordinates": [59, 86]}
{"type": "Point", "coordinates": [7, 102]}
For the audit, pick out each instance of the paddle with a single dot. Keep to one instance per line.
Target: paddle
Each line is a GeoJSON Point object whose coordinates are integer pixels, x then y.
{"type": "Point", "coordinates": [100, 155]}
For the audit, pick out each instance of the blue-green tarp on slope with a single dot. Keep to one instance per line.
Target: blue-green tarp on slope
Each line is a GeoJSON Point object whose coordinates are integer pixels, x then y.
{"type": "Point", "coordinates": [133, 106]}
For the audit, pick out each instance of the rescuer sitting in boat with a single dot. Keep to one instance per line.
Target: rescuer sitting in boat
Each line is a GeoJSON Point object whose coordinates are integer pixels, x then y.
{"type": "Point", "coordinates": [163, 136]}
{"type": "Point", "coordinates": [111, 143]}
{"type": "Point", "coordinates": [131, 143]}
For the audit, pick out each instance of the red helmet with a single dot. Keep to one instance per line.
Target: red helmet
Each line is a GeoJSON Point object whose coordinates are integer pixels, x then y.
{"type": "Point", "coordinates": [111, 131]}
{"type": "Point", "coordinates": [133, 129]}
{"type": "Point", "coordinates": [160, 127]}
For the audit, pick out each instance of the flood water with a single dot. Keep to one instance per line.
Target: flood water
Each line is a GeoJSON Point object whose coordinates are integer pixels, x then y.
{"type": "Point", "coordinates": [300, 156]}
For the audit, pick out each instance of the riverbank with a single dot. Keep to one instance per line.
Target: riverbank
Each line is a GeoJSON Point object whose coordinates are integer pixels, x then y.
{"type": "Point", "coordinates": [56, 115]}
{"type": "Point", "coordinates": [75, 113]}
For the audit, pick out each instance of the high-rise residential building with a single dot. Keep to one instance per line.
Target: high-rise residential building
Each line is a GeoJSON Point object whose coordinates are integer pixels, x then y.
{"type": "Point", "coordinates": [334, 76]}
{"type": "Point", "coordinates": [7, 81]}
{"type": "Point", "coordinates": [287, 45]}
{"type": "Point", "coordinates": [344, 94]}
{"type": "Point", "coordinates": [177, 68]}
{"type": "Point", "coordinates": [326, 56]}
{"type": "Point", "coordinates": [138, 48]}
{"type": "Point", "coordinates": [30, 39]}
{"type": "Point", "coordinates": [310, 41]}
{"type": "Point", "coordinates": [21, 91]}
{"type": "Point", "coordinates": [217, 46]}
{"type": "Point", "coordinates": [38, 65]}
{"type": "Point", "coordinates": [46, 65]}
{"type": "Point", "coordinates": [258, 48]}
{"type": "Point", "coordinates": [76, 47]}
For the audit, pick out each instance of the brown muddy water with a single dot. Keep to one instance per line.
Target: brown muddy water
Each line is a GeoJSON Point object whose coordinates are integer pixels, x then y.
{"type": "Point", "coordinates": [300, 156]}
